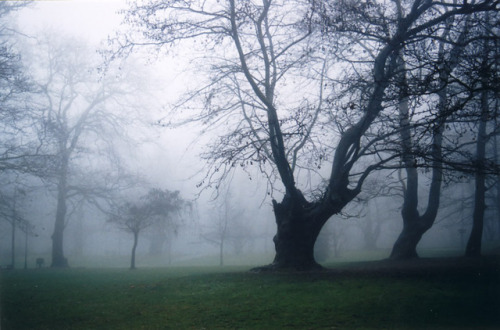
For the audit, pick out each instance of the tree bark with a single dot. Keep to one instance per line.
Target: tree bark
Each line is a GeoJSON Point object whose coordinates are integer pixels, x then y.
{"type": "Point", "coordinates": [298, 226]}
{"type": "Point", "coordinates": [405, 247]}
{"type": "Point", "coordinates": [134, 247]}
{"type": "Point", "coordinates": [13, 242]}
{"type": "Point", "coordinates": [221, 253]}
{"type": "Point", "coordinates": [58, 259]}
{"type": "Point", "coordinates": [473, 248]}
{"type": "Point", "coordinates": [26, 249]}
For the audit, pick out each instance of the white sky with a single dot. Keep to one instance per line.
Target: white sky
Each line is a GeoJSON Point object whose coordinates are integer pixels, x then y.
{"type": "Point", "coordinates": [91, 19]}
{"type": "Point", "coordinates": [94, 21]}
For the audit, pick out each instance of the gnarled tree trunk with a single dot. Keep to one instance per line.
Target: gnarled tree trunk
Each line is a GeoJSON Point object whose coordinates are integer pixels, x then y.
{"type": "Point", "coordinates": [405, 246]}
{"type": "Point", "coordinates": [298, 226]}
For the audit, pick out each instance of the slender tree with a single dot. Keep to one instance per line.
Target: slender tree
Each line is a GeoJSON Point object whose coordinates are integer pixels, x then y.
{"type": "Point", "coordinates": [155, 206]}
{"type": "Point", "coordinates": [474, 243]}
{"type": "Point", "coordinates": [415, 224]}
{"type": "Point", "coordinates": [225, 224]}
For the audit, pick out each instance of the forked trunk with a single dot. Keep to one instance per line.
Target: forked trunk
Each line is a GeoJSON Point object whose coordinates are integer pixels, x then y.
{"type": "Point", "coordinates": [405, 246]}
{"type": "Point", "coordinates": [298, 226]}
{"type": "Point", "coordinates": [414, 224]}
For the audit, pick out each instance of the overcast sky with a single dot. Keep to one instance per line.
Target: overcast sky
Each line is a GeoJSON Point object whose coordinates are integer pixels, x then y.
{"type": "Point", "coordinates": [90, 19]}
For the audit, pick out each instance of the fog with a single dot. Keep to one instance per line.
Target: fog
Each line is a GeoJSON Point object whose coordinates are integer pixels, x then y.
{"type": "Point", "coordinates": [143, 154]}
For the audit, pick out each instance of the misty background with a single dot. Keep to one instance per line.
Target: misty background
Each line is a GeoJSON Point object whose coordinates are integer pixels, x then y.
{"type": "Point", "coordinates": [130, 149]}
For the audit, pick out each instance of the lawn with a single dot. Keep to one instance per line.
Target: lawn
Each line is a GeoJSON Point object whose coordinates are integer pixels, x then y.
{"type": "Point", "coordinates": [232, 297]}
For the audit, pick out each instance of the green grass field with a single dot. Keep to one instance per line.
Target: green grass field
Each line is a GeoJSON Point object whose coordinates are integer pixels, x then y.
{"type": "Point", "coordinates": [233, 298]}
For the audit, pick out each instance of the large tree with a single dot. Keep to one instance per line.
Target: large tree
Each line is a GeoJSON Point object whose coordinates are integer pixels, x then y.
{"type": "Point", "coordinates": [268, 69]}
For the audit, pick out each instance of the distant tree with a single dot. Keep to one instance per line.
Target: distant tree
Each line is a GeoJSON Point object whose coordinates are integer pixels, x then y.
{"type": "Point", "coordinates": [79, 124]}
{"type": "Point", "coordinates": [12, 198]}
{"type": "Point", "coordinates": [264, 49]}
{"type": "Point", "coordinates": [154, 207]}
{"type": "Point", "coordinates": [371, 224]}
{"type": "Point", "coordinates": [29, 230]}
{"type": "Point", "coordinates": [332, 239]}
{"type": "Point", "coordinates": [226, 226]}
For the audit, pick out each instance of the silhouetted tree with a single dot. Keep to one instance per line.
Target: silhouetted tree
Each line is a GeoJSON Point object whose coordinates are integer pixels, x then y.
{"type": "Point", "coordinates": [270, 47]}
{"type": "Point", "coordinates": [12, 198]}
{"type": "Point", "coordinates": [415, 224]}
{"type": "Point", "coordinates": [488, 77]}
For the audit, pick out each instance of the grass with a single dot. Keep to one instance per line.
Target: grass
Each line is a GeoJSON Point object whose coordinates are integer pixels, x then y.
{"type": "Point", "coordinates": [231, 298]}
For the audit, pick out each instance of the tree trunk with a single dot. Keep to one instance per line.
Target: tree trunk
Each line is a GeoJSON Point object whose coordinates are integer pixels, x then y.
{"type": "Point", "coordinates": [497, 186]}
{"type": "Point", "coordinates": [298, 226]}
{"type": "Point", "coordinates": [26, 248]}
{"type": "Point", "coordinates": [405, 247]}
{"type": "Point", "coordinates": [414, 224]}
{"type": "Point", "coordinates": [134, 247]}
{"type": "Point", "coordinates": [221, 253]}
{"type": "Point", "coordinates": [58, 259]}
{"type": "Point", "coordinates": [473, 248]}
{"type": "Point", "coordinates": [13, 243]}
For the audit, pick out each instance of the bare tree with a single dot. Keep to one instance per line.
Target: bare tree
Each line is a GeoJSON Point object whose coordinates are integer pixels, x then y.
{"type": "Point", "coordinates": [82, 114]}
{"type": "Point", "coordinates": [415, 224]}
{"type": "Point", "coordinates": [13, 199]}
{"type": "Point", "coordinates": [29, 230]}
{"type": "Point", "coordinates": [261, 46]}
{"type": "Point", "coordinates": [17, 121]}
{"type": "Point", "coordinates": [486, 75]}
{"type": "Point", "coordinates": [155, 206]}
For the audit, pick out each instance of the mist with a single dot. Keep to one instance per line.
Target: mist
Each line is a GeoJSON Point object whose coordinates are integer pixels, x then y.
{"type": "Point", "coordinates": [131, 142]}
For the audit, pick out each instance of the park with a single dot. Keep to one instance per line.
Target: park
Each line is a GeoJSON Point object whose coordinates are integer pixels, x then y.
{"type": "Point", "coordinates": [260, 164]}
